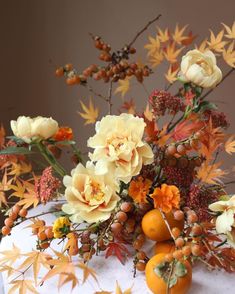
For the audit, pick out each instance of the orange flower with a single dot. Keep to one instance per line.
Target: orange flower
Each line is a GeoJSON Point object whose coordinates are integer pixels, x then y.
{"type": "Point", "coordinates": [138, 189]}
{"type": "Point", "coordinates": [166, 197]}
{"type": "Point", "coordinates": [64, 134]}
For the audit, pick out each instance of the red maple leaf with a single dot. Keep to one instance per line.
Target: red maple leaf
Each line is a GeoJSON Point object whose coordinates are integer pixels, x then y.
{"type": "Point", "coordinates": [186, 128]}
{"type": "Point", "coordinates": [118, 250]}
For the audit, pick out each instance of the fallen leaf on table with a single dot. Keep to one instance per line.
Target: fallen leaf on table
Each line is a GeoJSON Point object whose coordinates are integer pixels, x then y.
{"type": "Point", "coordinates": [119, 290]}
{"type": "Point", "coordinates": [87, 271]}
{"type": "Point", "coordinates": [10, 256]}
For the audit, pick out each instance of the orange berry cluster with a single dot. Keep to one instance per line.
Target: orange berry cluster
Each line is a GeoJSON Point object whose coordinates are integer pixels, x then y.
{"type": "Point", "coordinates": [15, 212]}
{"type": "Point", "coordinates": [44, 235]}
{"type": "Point", "coordinates": [186, 246]}
{"type": "Point", "coordinates": [118, 67]}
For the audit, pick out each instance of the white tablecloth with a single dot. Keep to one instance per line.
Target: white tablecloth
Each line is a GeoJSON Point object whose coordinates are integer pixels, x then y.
{"type": "Point", "coordinates": [109, 271]}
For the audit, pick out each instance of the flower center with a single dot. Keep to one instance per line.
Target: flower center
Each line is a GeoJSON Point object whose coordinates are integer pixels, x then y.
{"type": "Point", "coordinates": [205, 66]}
{"type": "Point", "coordinates": [96, 191]}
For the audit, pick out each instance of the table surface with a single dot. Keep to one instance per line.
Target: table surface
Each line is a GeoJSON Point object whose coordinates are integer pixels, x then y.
{"type": "Point", "coordinates": [110, 270]}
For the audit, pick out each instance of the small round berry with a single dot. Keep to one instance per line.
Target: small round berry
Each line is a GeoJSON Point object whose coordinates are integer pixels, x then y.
{"type": "Point", "coordinates": [140, 266]}
{"type": "Point", "coordinates": [16, 208]}
{"type": "Point", "coordinates": [178, 215]}
{"type": "Point", "coordinates": [49, 233]}
{"type": "Point", "coordinates": [192, 218]}
{"type": "Point", "coordinates": [59, 72]}
{"type": "Point", "coordinates": [179, 242]}
{"type": "Point", "coordinates": [196, 230]}
{"type": "Point", "coordinates": [44, 245]}
{"type": "Point", "coordinates": [6, 230]}
{"type": "Point", "coordinates": [121, 216]}
{"type": "Point", "coordinates": [116, 228]}
{"type": "Point", "coordinates": [137, 244]}
{"type": "Point", "coordinates": [196, 250]}
{"type": "Point", "coordinates": [181, 149]}
{"type": "Point", "coordinates": [126, 206]}
{"type": "Point", "coordinates": [23, 212]}
{"type": "Point", "coordinates": [178, 254]}
{"type": "Point", "coordinates": [176, 232]}
{"type": "Point", "coordinates": [9, 222]}
{"type": "Point", "coordinates": [186, 250]}
{"type": "Point", "coordinates": [171, 150]}
{"type": "Point", "coordinates": [42, 236]}
{"type": "Point", "coordinates": [68, 67]}
{"type": "Point", "coordinates": [141, 255]}
{"type": "Point", "coordinates": [13, 215]}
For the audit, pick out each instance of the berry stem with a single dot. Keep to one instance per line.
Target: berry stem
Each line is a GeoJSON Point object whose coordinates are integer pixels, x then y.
{"type": "Point", "coordinates": [109, 100]}
{"type": "Point", "coordinates": [167, 224]}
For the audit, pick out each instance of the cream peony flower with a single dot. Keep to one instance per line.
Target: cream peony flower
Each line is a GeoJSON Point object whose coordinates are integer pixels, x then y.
{"type": "Point", "coordinates": [28, 129]}
{"type": "Point", "coordinates": [119, 148]}
{"type": "Point", "coordinates": [225, 222]}
{"type": "Point", "coordinates": [90, 197]}
{"type": "Point", "coordinates": [200, 68]}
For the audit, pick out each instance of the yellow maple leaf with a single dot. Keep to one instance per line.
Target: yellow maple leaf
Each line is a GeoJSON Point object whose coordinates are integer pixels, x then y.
{"type": "Point", "coordinates": [22, 287]}
{"type": "Point", "coordinates": [230, 31]}
{"type": "Point", "coordinates": [216, 43]}
{"type": "Point", "coordinates": [156, 58]}
{"type": "Point", "coordinates": [19, 189]}
{"type": "Point", "coordinates": [10, 256]}
{"type": "Point", "coordinates": [90, 113]}
{"type": "Point", "coordinates": [124, 86]}
{"type": "Point", "coordinates": [171, 74]}
{"type": "Point", "coordinates": [229, 55]}
{"type": "Point", "coordinates": [171, 52]}
{"type": "Point", "coordinates": [230, 145]}
{"type": "Point", "coordinates": [87, 271]}
{"type": "Point", "coordinates": [148, 113]}
{"type": "Point", "coordinates": [36, 259]}
{"type": "Point", "coordinates": [20, 168]}
{"type": "Point", "coordinates": [163, 36]}
{"type": "Point", "coordinates": [119, 290]}
{"type": "Point", "coordinates": [203, 46]}
{"type": "Point", "coordinates": [210, 173]}
{"type": "Point", "coordinates": [178, 36]}
{"type": "Point", "coordinates": [65, 268]}
{"type": "Point", "coordinates": [153, 45]}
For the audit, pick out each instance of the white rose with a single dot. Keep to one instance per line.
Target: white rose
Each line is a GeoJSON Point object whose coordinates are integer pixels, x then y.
{"type": "Point", "coordinates": [119, 146]}
{"type": "Point", "coordinates": [200, 68]}
{"type": "Point", "coordinates": [28, 129]}
{"type": "Point", "coordinates": [225, 222]}
{"type": "Point", "coordinates": [90, 197]}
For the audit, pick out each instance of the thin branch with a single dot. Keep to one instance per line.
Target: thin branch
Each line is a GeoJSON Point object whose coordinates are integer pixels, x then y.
{"type": "Point", "coordinates": [144, 29]}
{"type": "Point", "coordinates": [91, 90]}
{"type": "Point", "coordinates": [224, 77]}
{"type": "Point", "coordinates": [109, 100]}
{"type": "Point", "coordinates": [167, 224]}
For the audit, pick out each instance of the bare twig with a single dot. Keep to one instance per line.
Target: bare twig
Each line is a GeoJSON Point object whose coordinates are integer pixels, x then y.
{"type": "Point", "coordinates": [91, 90]}
{"type": "Point", "coordinates": [144, 29]}
{"type": "Point", "coordinates": [109, 100]}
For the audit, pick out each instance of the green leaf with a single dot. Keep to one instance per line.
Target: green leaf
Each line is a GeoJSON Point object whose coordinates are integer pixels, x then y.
{"type": "Point", "coordinates": [15, 150]}
{"type": "Point", "coordinates": [16, 139]}
{"type": "Point", "coordinates": [198, 91]}
{"type": "Point", "coordinates": [173, 281]}
{"type": "Point", "coordinates": [180, 269]}
{"type": "Point", "coordinates": [205, 105]}
{"type": "Point", "coordinates": [161, 269]}
{"type": "Point", "coordinates": [224, 198]}
{"type": "Point", "coordinates": [65, 142]}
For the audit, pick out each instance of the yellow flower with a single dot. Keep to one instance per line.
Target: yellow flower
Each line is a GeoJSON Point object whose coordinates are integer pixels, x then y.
{"type": "Point", "coordinates": [225, 222]}
{"type": "Point", "coordinates": [61, 227]}
{"type": "Point", "coordinates": [90, 197]}
{"type": "Point", "coordinates": [166, 198]}
{"type": "Point", "coordinates": [119, 146]}
{"type": "Point", "coordinates": [200, 68]}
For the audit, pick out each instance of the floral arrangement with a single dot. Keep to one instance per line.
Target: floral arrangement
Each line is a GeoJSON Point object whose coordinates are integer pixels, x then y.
{"type": "Point", "coordinates": [150, 175]}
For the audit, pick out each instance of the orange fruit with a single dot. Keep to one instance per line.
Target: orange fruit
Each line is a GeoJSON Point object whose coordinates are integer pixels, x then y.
{"type": "Point", "coordinates": [158, 286]}
{"type": "Point", "coordinates": [154, 226]}
{"type": "Point", "coordinates": [164, 247]}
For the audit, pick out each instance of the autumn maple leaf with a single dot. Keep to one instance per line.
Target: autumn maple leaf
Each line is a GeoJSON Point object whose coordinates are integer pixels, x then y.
{"type": "Point", "coordinates": [210, 173]}
{"type": "Point", "coordinates": [163, 36]}
{"type": "Point", "coordinates": [171, 74]}
{"type": "Point", "coordinates": [156, 58]}
{"type": "Point", "coordinates": [124, 86]}
{"type": "Point", "coordinates": [203, 46]}
{"type": "Point", "coordinates": [178, 36]}
{"type": "Point", "coordinates": [186, 128]}
{"type": "Point", "coordinates": [22, 287]}
{"type": "Point", "coordinates": [119, 290]}
{"type": "Point", "coordinates": [230, 31]}
{"type": "Point", "coordinates": [216, 43]}
{"type": "Point", "coordinates": [10, 256]}
{"type": "Point", "coordinates": [118, 250]}
{"type": "Point", "coordinates": [229, 55]}
{"type": "Point", "coordinates": [129, 106]}
{"type": "Point", "coordinates": [153, 45]}
{"type": "Point", "coordinates": [230, 145]}
{"type": "Point", "coordinates": [171, 52]}
{"type": "Point", "coordinates": [90, 113]}
{"type": "Point", "coordinates": [189, 39]}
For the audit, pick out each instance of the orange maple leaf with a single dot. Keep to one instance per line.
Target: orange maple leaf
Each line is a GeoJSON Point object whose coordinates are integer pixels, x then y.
{"type": "Point", "coordinates": [230, 145]}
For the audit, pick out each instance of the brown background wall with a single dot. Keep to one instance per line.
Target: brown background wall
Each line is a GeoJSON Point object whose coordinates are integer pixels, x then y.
{"type": "Point", "coordinates": [33, 32]}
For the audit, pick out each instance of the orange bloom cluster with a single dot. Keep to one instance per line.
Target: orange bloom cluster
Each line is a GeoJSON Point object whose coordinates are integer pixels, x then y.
{"type": "Point", "coordinates": [139, 189]}
{"type": "Point", "coordinates": [166, 198]}
{"type": "Point", "coordinates": [64, 134]}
